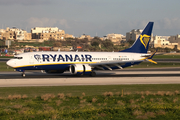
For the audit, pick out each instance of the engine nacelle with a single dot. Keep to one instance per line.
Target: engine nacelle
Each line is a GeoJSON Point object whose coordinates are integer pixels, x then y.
{"type": "Point", "coordinates": [80, 69]}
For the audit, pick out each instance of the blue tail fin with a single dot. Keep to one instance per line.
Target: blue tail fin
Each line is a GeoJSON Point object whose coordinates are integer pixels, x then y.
{"type": "Point", "coordinates": [141, 45]}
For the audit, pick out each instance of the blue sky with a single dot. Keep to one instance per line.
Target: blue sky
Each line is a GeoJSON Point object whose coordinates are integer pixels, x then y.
{"type": "Point", "coordinates": [92, 17]}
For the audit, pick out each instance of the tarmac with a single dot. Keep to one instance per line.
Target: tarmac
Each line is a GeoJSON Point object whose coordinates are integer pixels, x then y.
{"type": "Point", "coordinates": [117, 77]}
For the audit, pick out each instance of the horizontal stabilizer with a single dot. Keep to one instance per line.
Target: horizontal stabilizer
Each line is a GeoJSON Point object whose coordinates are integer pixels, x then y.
{"type": "Point", "coordinates": [152, 61]}
{"type": "Point", "coordinates": [150, 58]}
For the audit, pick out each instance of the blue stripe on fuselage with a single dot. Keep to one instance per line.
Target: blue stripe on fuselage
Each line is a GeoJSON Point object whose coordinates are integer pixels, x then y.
{"type": "Point", "coordinates": [46, 67]}
{"type": "Point", "coordinates": [65, 66]}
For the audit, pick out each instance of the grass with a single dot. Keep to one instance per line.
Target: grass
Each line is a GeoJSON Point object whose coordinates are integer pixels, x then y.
{"type": "Point", "coordinates": [86, 90]}
{"type": "Point", "coordinates": [4, 67]}
{"type": "Point", "coordinates": [91, 102]}
{"type": "Point", "coordinates": [152, 65]}
{"type": "Point", "coordinates": [6, 57]}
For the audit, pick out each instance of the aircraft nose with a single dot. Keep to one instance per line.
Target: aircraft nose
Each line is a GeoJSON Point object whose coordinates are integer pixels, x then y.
{"type": "Point", "coordinates": [10, 63]}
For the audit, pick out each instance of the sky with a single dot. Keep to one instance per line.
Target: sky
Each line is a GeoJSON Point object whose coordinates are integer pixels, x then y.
{"type": "Point", "coordinates": [92, 17]}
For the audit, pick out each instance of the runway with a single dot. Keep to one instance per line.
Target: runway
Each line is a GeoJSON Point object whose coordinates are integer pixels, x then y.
{"type": "Point", "coordinates": [117, 77]}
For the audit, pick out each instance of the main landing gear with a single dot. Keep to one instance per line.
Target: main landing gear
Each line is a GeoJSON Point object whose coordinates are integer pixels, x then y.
{"type": "Point", "coordinates": [23, 74]}
{"type": "Point", "coordinates": [93, 74]}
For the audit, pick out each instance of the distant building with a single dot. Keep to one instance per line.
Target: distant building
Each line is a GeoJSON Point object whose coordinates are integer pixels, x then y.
{"type": "Point", "coordinates": [175, 39]}
{"type": "Point", "coordinates": [23, 35]}
{"type": "Point", "coordinates": [160, 41]}
{"type": "Point", "coordinates": [14, 34]}
{"type": "Point", "coordinates": [9, 34]}
{"type": "Point", "coordinates": [86, 37]}
{"type": "Point", "coordinates": [117, 39]}
{"type": "Point", "coordinates": [1, 33]}
{"type": "Point", "coordinates": [47, 33]}
{"type": "Point", "coordinates": [163, 42]}
{"type": "Point", "coordinates": [27, 36]}
{"type": "Point", "coordinates": [133, 35]}
{"type": "Point", "coordinates": [69, 36]}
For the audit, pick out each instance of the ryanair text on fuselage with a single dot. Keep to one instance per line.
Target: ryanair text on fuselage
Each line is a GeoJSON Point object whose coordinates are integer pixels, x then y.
{"type": "Point", "coordinates": [64, 58]}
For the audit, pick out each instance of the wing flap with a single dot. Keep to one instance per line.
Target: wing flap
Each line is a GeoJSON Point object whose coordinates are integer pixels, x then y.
{"type": "Point", "coordinates": [109, 64]}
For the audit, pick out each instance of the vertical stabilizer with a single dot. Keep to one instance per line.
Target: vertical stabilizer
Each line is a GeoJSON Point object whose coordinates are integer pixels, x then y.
{"type": "Point", "coordinates": [141, 45]}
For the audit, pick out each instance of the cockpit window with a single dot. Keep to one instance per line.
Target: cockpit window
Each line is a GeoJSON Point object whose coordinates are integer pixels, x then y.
{"type": "Point", "coordinates": [18, 57]}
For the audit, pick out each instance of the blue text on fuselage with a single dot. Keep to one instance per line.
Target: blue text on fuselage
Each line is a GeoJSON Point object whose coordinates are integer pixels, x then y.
{"type": "Point", "coordinates": [66, 58]}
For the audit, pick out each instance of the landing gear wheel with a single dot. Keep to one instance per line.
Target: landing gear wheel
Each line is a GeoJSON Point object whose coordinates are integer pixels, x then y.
{"type": "Point", "coordinates": [93, 74]}
{"type": "Point", "coordinates": [23, 75]}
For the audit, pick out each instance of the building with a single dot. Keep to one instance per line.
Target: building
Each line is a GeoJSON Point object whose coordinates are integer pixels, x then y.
{"type": "Point", "coordinates": [86, 37]}
{"type": "Point", "coordinates": [117, 39]}
{"type": "Point", "coordinates": [22, 35]}
{"type": "Point", "coordinates": [9, 34]}
{"type": "Point", "coordinates": [175, 39]}
{"type": "Point", "coordinates": [69, 36]}
{"type": "Point", "coordinates": [14, 34]}
{"type": "Point", "coordinates": [27, 36]}
{"type": "Point", "coordinates": [160, 41]}
{"type": "Point", "coordinates": [1, 33]}
{"type": "Point", "coordinates": [133, 35]}
{"type": "Point", "coordinates": [163, 42]}
{"type": "Point", "coordinates": [47, 33]}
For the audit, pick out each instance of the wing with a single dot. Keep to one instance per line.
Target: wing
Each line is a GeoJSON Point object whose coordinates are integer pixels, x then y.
{"type": "Point", "coordinates": [112, 64]}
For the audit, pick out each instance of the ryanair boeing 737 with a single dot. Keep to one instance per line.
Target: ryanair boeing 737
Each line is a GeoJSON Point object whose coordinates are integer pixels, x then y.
{"type": "Point", "coordinates": [85, 63]}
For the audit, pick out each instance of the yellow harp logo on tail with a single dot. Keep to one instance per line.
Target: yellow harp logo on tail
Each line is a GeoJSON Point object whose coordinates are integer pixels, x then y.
{"type": "Point", "coordinates": [144, 39]}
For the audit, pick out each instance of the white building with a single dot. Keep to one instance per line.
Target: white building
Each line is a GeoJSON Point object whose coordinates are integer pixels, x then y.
{"type": "Point", "coordinates": [133, 35]}
{"type": "Point", "coordinates": [115, 38]}
{"type": "Point", "coordinates": [163, 42]}
{"type": "Point", "coordinates": [44, 30]}
{"type": "Point", "coordinates": [47, 33]}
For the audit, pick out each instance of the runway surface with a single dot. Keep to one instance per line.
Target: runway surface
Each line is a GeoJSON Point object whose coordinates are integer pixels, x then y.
{"type": "Point", "coordinates": [117, 77]}
{"type": "Point", "coordinates": [4, 59]}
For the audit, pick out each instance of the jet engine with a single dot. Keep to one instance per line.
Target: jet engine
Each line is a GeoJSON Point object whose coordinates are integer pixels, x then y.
{"type": "Point", "coordinates": [80, 69]}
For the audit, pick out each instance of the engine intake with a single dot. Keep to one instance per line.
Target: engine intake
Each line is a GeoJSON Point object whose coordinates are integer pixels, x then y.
{"type": "Point", "coordinates": [80, 69]}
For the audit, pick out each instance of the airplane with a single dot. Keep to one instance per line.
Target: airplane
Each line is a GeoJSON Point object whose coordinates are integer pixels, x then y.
{"type": "Point", "coordinates": [85, 63]}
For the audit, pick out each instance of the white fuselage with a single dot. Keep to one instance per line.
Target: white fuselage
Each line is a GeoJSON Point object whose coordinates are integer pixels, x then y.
{"type": "Point", "coordinates": [36, 59]}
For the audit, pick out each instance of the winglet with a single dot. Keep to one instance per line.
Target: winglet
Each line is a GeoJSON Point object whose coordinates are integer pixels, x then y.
{"type": "Point", "coordinates": [150, 60]}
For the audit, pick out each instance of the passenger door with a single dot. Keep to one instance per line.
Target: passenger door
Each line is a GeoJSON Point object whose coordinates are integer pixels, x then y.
{"type": "Point", "coordinates": [31, 59]}
{"type": "Point", "coordinates": [109, 58]}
